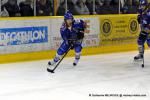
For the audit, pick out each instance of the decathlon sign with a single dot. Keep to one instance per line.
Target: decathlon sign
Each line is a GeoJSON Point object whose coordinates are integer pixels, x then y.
{"type": "Point", "coordinates": [23, 35]}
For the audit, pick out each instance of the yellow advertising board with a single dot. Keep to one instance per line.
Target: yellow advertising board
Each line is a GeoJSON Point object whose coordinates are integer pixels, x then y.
{"type": "Point", "coordinates": [118, 29]}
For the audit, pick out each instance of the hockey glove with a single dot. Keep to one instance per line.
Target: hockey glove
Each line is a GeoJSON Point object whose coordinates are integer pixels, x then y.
{"type": "Point", "coordinates": [71, 43]}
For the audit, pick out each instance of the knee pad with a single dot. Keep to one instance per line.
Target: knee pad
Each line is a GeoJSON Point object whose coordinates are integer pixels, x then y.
{"type": "Point", "coordinates": [78, 48]}
{"type": "Point", "coordinates": [63, 48]}
{"type": "Point", "coordinates": [60, 51]}
{"type": "Point", "coordinates": [142, 38]}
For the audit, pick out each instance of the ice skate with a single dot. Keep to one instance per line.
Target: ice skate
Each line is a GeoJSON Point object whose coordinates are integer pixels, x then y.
{"type": "Point", "coordinates": [139, 57]}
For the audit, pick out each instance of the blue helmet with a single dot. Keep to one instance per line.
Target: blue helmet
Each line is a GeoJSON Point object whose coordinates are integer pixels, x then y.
{"type": "Point", "coordinates": [143, 5]}
{"type": "Point", "coordinates": [143, 2]}
{"type": "Point", "coordinates": [68, 15]}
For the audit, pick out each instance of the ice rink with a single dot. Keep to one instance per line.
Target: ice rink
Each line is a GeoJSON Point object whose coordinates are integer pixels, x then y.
{"type": "Point", "coordinates": [95, 78]}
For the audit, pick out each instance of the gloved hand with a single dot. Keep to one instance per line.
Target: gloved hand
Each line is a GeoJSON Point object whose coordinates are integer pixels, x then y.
{"type": "Point", "coordinates": [71, 43]}
{"type": "Point", "coordinates": [80, 35]}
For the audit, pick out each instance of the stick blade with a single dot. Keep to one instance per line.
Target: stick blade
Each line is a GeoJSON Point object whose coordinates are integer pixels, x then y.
{"type": "Point", "coordinates": [49, 70]}
{"type": "Point", "coordinates": [142, 65]}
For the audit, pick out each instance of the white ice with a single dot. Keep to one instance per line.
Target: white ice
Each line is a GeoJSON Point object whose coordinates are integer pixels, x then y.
{"type": "Point", "coordinates": [99, 74]}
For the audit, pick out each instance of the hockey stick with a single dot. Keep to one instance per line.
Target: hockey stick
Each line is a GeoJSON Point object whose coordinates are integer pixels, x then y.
{"type": "Point", "coordinates": [143, 62]}
{"type": "Point", "coordinates": [52, 70]}
{"type": "Point", "coordinates": [147, 7]}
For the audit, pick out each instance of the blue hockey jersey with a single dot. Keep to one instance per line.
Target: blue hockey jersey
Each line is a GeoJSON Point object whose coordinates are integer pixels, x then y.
{"type": "Point", "coordinates": [145, 19]}
{"type": "Point", "coordinates": [78, 27]}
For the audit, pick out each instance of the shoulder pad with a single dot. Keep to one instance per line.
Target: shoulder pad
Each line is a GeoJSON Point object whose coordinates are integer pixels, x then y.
{"type": "Point", "coordinates": [63, 26]}
{"type": "Point", "coordinates": [78, 21]}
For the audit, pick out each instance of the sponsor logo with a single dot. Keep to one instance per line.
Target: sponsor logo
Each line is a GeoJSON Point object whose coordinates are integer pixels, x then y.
{"type": "Point", "coordinates": [23, 35]}
{"type": "Point", "coordinates": [106, 27]}
{"type": "Point", "coordinates": [133, 26]}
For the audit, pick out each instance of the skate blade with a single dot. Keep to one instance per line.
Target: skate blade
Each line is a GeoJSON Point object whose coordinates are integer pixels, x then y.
{"type": "Point", "coordinates": [138, 60]}
{"type": "Point", "coordinates": [50, 70]}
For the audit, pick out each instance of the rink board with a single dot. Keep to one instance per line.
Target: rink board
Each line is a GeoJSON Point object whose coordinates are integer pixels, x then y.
{"type": "Point", "coordinates": [33, 38]}
{"type": "Point", "coordinates": [29, 56]}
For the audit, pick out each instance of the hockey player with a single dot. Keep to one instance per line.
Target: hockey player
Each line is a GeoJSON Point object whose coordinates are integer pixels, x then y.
{"type": "Point", "coordinates": [144, 20]}
{"type": "Point", "coordinates": [72, 33]}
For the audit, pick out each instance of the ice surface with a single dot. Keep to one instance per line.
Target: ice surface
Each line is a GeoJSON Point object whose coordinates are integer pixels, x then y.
{"type": "Point", "coordinates": [100, 74]}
